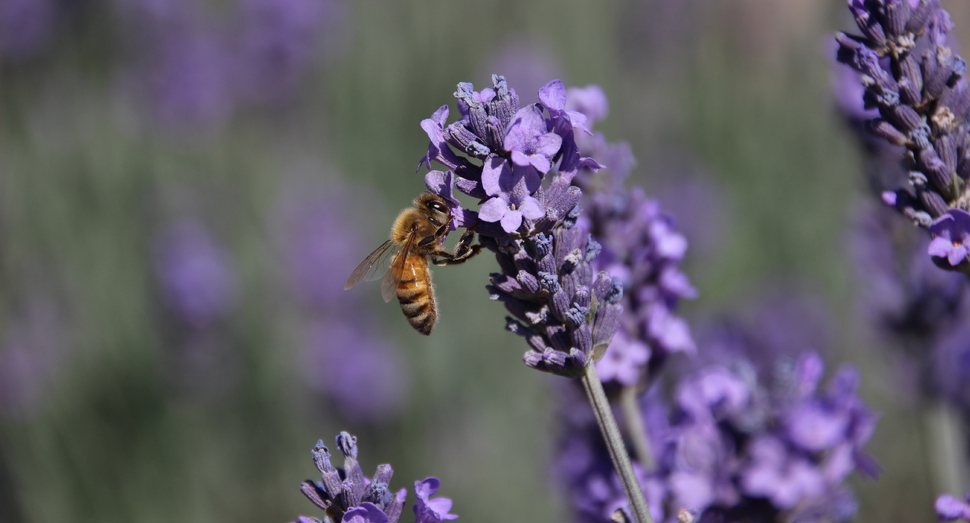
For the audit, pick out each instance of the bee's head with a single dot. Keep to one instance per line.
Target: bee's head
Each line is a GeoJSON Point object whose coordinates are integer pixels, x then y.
{"type": "Point", "coordinates": [434, 207]}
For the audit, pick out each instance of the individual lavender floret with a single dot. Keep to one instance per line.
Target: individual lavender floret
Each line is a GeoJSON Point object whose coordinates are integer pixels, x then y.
{"type": "Point", "coordinates": [559, 305]}
{"type": "Point", "coordinates": [951, 240]}
{"type": "Point", "coordinates": [949, 508]}
{"type": "Point", "coordinates": [347, 496]}
{"type": "Point", "coordinates": [427, 510]}
{"type": "Point", "coordinates": [923, 101]}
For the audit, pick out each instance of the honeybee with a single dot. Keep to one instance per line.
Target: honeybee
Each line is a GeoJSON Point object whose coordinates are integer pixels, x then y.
{"type": "Point", "coordinates": [417, 234]}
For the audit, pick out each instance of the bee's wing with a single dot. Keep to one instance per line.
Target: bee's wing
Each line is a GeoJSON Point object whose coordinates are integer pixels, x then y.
{"type": "Point", "coordinates": [374, 265]}
{"type": "Point", "coordinates": [396, 270]}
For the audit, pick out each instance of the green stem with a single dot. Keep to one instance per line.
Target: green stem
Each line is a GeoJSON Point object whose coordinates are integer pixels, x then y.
{"type": "Point", "coordinates": [948, 456]}
{"type": "Point", "coordinates": [614, 442]}
{"type": "Point", "coordinates": [635, 426]}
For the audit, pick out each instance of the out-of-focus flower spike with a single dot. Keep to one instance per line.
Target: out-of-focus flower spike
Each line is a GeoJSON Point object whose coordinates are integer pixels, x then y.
{"type": "Point", "coordinates": [360, 500]}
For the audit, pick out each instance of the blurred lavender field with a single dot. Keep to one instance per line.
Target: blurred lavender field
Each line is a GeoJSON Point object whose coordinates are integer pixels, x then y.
{"type": "Point", "coordinates": [186, 185]}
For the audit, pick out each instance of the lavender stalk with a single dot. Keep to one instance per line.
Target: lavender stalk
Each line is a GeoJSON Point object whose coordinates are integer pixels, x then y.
{"type": "Point", "coordinates": [636, 426]}
{"type": "Point", "coordinates": [916, 81]}
{"type": "Point", "coordinates": [520, 163]}
{"type": "Point", "coordinates": [614, 442]}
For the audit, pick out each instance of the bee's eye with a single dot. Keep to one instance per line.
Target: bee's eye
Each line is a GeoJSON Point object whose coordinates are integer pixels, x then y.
{"type": "Point", "coordinates": [435, 206]}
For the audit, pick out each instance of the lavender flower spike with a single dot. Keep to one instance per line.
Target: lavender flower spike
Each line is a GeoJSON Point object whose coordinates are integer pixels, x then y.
{"type": "Point", "coordinates": [528, 158]}
{"type": "Point", "coordinates": [428, 510]}
{"type": "Point", "coordinates": [340, 498]}
{"type": "Point", "coordinates": [519, 161]}
{"type": "Point", "coordinates": [916, 82]}
{"type": "Point", "coordinates": [349, 497]}
{"type": "Point", "coordinates": [558, 305]}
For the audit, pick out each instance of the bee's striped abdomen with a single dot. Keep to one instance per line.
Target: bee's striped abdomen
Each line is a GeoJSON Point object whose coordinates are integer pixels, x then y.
{"type": "Point", "coordinates": [415, 294]}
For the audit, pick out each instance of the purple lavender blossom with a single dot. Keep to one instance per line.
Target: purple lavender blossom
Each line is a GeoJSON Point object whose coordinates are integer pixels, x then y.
{"type": "Point", "coordinates": [348, 496]}
{"type": "Point", "coordinates": [528, 141]}
{"type": "Point", "coordinates": [951, 239]}
{"type": "Point", "coordinates": [558, 303]}
{"type": "Point", "coordinates": [510, 152]}
{"type": "Point", "coordinates": [949, 508]}
{"type": "Point", "coordinates": [883, 170]}
{"type": "Point", "coordinates": [427, 510]}
{"type": "Point", "coordinates": [365, 513]}
{"type": "Point", "coordinates": [337, 493]}
{"type": "Point", "coordinates": [643, 251]}
{"type": "Point", "coordinates": [922, 97]}
{"type": "Point", "coordinates": [195, 274]}
{"type": "Point", "coordinates": [562, 309]}
{"type": "Point", "coordinates": [738, 444]}
{"type": "Point", "coordinates": [510, 187]}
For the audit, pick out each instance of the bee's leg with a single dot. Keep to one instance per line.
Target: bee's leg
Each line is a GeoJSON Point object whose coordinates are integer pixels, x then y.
{"type": "Point", "coordinates": [463, 251]}
{"type": "Point", "coordinates": [438, 233]}
{"type": "Point", "coordinates": [447, 258]}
